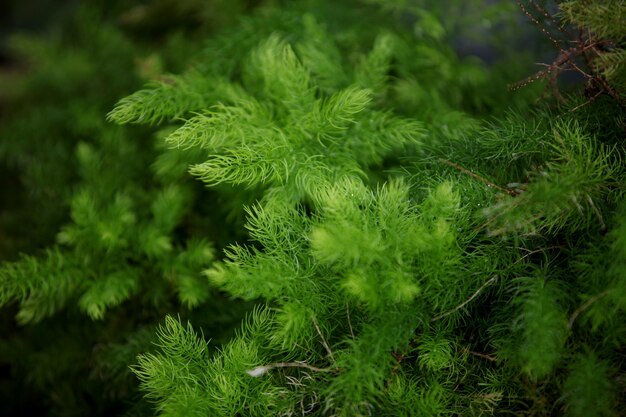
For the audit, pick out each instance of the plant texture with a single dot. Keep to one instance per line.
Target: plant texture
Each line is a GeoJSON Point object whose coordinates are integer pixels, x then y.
{"type": "Point", "coordinates": [331, 212]}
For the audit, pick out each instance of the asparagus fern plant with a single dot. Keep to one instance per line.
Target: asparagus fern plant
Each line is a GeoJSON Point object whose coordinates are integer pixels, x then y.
{"type": "Point", "coordinates": [416, 240]}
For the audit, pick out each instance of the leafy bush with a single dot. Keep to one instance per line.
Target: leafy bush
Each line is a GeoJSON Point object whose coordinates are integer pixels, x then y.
{"type": "Point", "coordinates": [329, 211]}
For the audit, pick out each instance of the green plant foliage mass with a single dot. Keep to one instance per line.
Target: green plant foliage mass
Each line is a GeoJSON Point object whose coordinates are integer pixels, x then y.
{"type": "Point", "coordinates": [317, 208]}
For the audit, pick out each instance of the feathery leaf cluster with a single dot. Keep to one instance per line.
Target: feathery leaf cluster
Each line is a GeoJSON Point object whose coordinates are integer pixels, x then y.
{"type": "Point", "coordinates": [401, 234]}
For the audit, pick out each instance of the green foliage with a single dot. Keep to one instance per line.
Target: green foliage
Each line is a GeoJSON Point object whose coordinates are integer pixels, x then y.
{"type": "Point", "coordinates": [395, 232]}
{"type": "Point", "coordinates": [605, 18]}
{"type": "Point", "coordinates": [41, 285]}
{"type": "Point", "coordinates": [51, 100]}
{"type": "Point", "coordinates": [588, 389]}
{"type": "Point", "coordinates": [182, 95]}
{"type": "Point", "coordinates": [359, 276]}
{"type": "Point", "coordinates": [602, 276]}
{"type": "Point", "coordinates": [543, 325]}
{"type": "Point", "coordinates": [119, 234]}
{"type": "Point", "coordinates": [125, 243]}
{"type": "Point", "coordinates": [565, 191]}
{"type": "Point", "coordinates": [318, 138]}
{"type": "Point", "coordinates": [219, 386]}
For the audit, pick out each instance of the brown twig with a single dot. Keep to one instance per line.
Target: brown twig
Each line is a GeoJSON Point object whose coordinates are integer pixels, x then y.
{"type": "Point", "coordinates": [529, 253]}
{"type": "Point", "coordinates": [330, 352]}
{"type": "Point", "coordinates": [349, 322]}
{"type": "Point", "coordinates": [585, 306]}
{"type": "Point", "coordinates": [586, 44]}
{"type": "Point", "coordinates": [481, 355]}
{"type": "Point", "coordinates": [538, 24]}
{"type": "Point", "coordinates": [263, 369]}
{"type": "Point", "coordinates": [586, 102]}
{"type": "Point", "coordinates": [478, 177]}
{"type": "Point", "coordinates": [464, 303]}
{"type": "Point", "coordinates": [541, 9]}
